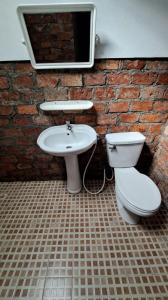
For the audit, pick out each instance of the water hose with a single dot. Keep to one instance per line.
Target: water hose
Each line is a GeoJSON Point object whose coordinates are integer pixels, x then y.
{"type": "Point", "coordinates": [104, 175]}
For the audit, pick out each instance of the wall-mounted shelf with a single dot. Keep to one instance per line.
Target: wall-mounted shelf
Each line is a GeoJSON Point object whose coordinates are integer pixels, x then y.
{"type": "Point", "coordinates": [69, 105]}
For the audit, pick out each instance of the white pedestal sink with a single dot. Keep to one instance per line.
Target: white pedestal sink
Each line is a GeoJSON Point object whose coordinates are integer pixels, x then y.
{"type": "Point", "coordinates": [68, 141]}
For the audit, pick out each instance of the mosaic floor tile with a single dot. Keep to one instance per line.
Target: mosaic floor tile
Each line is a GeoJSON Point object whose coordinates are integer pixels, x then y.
{"type": "Point", "coordinates": [57, 246]}
{"type": "Point", "coordinates": [58, 288]}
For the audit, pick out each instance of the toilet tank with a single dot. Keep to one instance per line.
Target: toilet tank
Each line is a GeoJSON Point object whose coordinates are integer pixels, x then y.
{"type": "Point", "coordinates": [124, 149]}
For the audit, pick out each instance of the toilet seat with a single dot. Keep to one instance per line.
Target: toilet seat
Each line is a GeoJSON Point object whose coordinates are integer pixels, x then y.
{"type": "Point", "coordinates": [139, 193]}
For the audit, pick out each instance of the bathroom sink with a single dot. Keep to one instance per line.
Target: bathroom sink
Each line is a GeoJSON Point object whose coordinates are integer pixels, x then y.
{"type": "Point", "coordinates": [68, 141]}
{"type": "Point", "coordinates": [60, 141]}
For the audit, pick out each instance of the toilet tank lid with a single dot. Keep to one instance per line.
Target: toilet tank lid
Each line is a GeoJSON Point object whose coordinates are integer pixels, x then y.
{"type": "Point", "coordinates": [122, 138]}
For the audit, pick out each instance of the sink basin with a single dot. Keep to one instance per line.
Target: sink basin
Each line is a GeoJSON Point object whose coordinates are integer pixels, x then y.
{"type": "Point", "coordinates": [62, 141]}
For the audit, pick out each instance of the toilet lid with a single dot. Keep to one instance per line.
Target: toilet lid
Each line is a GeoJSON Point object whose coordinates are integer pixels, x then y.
{"type": "Point", "coordinates": [139, 190]}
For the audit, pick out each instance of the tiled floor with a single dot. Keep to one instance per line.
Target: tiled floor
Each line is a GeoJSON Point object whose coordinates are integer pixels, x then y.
{"type": "Point", "coordinates": [57, 246]}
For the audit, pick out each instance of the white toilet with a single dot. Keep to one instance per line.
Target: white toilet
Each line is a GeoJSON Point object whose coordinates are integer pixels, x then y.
{"type": "Point", "coordinates": [137, 195]}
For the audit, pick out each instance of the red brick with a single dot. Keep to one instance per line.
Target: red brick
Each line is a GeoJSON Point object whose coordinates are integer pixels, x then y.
{"type": "Point", "coordinates": [139, 127]}
{"type": "Point", "coordinates": [11, 132]}
{"type": "Point", "coordinates": [129, 93]}
{"type": "Point", "coordinates": [23, 81]}
{"type": "Point", "coordinates": [65, 36]}
{"type": "Point", "coordinates": [110, 92]}
{"type": "Point", "coordinates": [4, 122]}
{"type": "Point", "coordinates": [47, 44]}
{"type": "Point", "coordinates": [85, 119]}
{"type": "Point", "coordinates": [81, 93]}
{"type": "Point", "coordinates": [6, 110]}
{"type": "Point", "coordinates": [104, 93]}
{"type": "Point", "coordinates": [9, 159]}
{"type": "Point", "coordinates": [7, 166]}
{"type": "Point", "coordinates": [31, 132]}
{"type": "Point", "coordinates": [94, 79]}
{"type": "Point", "coordinates": [108, 64]}
{"type": "Point", "coordinates": [43, 165]}
{"type": "Point", "coordinates": [129, 118]}
{"type": "Point", "coordinates": [109, 119]}
{"type": "Point", "coordinates": [152, 92]}
{"type": "Point", "coordinates": [42, 120]}
{"type": "Point", "coordinates": [119, 128]}
{"type": "Point", "coordinates": [101, 129]}
{"type": "Point", "coordinates": [160, 106]}
{"type": "Point", "coordinates": [163, 79]}
{"type": "Point", "coordinates": [48, 80]}
{"type": "Point", "coordinates": [155, 128]}
{"type": "Point", "coordinates": [24, 68]}
{"type": "Point", "coordinates": [141, 106]}
{"type": "Point", "coordinates": [23, 121]}
{"type": "Point", "coordinates": [43, 157]}
{"type": "Point", "coordinates": [134, 64]}
{"type": "Point", "coordinates": [153, 118]}
{"type": "Point", "coordinates": [100, 93]}
{"type": "Point", "coordinates": [119, 107]}
{"type": "Point", "coordinates": [57, 168]}
{"type": "Point", "coordinates": [118, 78]}
{"type": "Point", "coordinates": [59, 93]}
{"type": "Point", "coordinates": [27, 109]}
{"type": "Point", "coordinates": [9, 96]}
{"type": "Point", "coordinates": [59, 119]}
{"type": "Point", "coordinates": [24, 166]}
{"type": "Point", "coordinates": [72, 80]}
{"type": "Point", "coordinates": [157, 65]}
{"type": "Point", "coordinates": [14, 150]}
{"type": "Point", "coordinates": [164, 156]}
{"type": "Point", "coordinates": [33, 150]}
{"type": "Point", "coordinates": [32, 95]}
{"type": "Point", "coordinates": [24, 163]}
{"type": "Point", "coordinates": [144, 78]}
{"type": "Point", "coordinates": [164, 142]}
{"type": "Point", "coordinates": [7, 67]}
{"type": "Point", "coordinates": [6, 141]}
{"type": "Point", "coordinates": [99, 107]}
{"type": "Point", "coordinates": [4, 83]}
{"type": "Point", "coordinates": [25, 141]}
{"type": "Point", "coordinates": [150, 140]}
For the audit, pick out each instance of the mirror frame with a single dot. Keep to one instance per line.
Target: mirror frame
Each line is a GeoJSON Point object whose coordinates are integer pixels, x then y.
{"type": "Point", "coordinates": [54, 9]}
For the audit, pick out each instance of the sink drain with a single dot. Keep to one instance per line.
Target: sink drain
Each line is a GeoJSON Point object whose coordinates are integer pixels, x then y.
{"type": "Point", "coordinates": [68, 147]}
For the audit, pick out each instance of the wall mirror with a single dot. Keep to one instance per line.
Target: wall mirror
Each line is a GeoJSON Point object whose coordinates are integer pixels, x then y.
{"type": "Point", "coordinates": [59, 36]}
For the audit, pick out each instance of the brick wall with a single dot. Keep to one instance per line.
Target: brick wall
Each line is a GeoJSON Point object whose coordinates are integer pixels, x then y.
{"type": "Point", "coordinates": [159, 168]}
{"type": "Point", "coordinates": [127, 95]}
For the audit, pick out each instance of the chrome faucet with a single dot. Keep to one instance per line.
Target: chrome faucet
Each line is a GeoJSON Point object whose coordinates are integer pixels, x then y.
{"type": "Point", "coordinates": [68, 125]}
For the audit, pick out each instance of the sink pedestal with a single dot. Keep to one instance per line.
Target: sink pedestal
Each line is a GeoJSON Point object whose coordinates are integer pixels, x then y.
{"type": "Point", "coordinates": [74, 184]}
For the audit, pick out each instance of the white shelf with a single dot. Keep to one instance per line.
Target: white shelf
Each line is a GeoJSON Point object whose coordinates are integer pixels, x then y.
{"type": "Point", "coordinates": [69, 105]}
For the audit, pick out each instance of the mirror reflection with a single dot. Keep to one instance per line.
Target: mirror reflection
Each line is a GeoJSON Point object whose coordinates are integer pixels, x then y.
{"type": "Point", "coordinates": [59, 37]}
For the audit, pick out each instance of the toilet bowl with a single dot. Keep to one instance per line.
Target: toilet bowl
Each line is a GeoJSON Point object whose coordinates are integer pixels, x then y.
{"type": "Point", "coordinates": [137, 195]}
